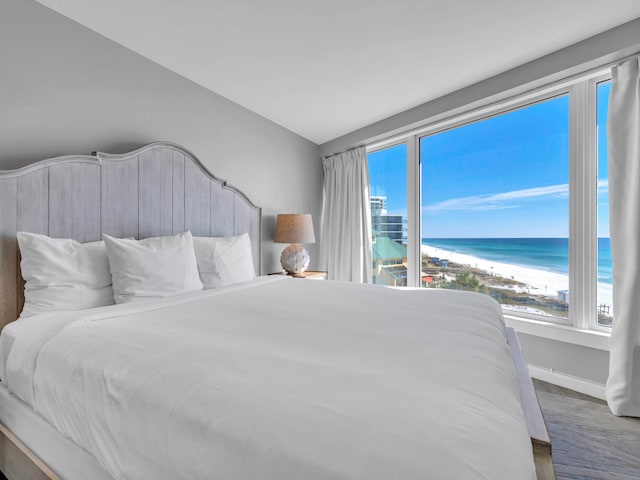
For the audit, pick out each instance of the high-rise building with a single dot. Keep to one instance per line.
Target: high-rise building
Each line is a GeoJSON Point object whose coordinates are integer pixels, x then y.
{"type": "Point", "coordinates": [385, 225]}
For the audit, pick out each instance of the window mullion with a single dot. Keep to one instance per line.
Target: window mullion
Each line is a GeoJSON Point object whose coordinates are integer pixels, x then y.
{"type": "Point", "coordinates": [414, 176]}
{"type": "Point", "coordinates": [582, 204]}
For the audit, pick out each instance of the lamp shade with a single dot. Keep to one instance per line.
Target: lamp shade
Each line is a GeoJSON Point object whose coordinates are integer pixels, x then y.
{"type": "Point", "coordinates": [294, 228]}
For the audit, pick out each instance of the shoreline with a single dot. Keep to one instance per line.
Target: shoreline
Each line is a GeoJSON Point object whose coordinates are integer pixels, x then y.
{"type": "Point", "coordinates": [537, 281]}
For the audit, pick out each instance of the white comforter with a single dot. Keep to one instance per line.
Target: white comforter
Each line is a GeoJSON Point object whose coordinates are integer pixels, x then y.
{"type": "Point", "coordinates": [280, 379]}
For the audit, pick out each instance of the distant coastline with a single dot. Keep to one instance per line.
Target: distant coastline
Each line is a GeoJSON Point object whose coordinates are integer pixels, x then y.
{"type": "Point", "coordinates": [550, 254]}
{"type": "Point", "coordinates": [537, 273]}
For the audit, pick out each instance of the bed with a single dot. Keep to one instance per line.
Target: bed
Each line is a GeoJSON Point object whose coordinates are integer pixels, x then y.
{"type": "Point", "coordinates": [268, 378]}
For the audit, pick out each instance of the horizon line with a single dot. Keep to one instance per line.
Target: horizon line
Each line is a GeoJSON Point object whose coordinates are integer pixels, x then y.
{"type": "Point", "coordinates": [493, 238]}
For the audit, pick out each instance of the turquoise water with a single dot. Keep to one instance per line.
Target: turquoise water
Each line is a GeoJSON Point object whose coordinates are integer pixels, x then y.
{"type": "Point", "coordinates": [550, 254]}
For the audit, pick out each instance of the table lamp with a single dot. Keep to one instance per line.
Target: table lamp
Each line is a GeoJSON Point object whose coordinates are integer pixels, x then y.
{"type": "Point", "coordinates": [294, 228]}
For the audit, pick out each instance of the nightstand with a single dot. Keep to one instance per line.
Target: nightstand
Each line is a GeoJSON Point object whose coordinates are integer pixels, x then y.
{"type": "Point", "coordinates": [312, 274]}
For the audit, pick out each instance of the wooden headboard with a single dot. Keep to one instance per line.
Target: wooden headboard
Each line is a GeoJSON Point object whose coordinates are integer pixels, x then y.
{"type": "Point", "coordinates": [159, 189]}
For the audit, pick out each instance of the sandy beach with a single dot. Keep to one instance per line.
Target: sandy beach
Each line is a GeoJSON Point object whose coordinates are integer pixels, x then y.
{"type": "Point", "coordinates": [537, 281]}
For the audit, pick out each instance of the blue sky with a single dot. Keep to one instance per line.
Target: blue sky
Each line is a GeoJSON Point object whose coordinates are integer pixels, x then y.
{"type": "Point", "coordinates": [506, 176]}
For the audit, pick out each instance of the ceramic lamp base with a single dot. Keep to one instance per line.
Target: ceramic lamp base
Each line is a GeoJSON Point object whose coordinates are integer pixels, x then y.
{"type": "Point", "coordinates": [294, 259]}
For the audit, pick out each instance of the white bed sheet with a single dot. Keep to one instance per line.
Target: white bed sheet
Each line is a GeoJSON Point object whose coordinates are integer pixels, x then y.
{"type": "Point", "coordinates": [60, 454]}
{"type": "Point", "coordinates": [281, 379]}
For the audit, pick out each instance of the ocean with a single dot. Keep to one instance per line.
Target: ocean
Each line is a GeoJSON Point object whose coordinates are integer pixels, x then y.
{"type": "Point", "coordinates": [551, 254]}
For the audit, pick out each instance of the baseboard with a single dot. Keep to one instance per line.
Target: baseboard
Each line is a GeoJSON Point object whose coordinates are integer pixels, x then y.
{"type": "Point", "coordinates": [577, 384]}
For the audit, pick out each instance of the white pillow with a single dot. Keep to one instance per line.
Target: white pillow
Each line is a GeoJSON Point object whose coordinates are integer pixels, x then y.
{"type": "Point", "coordinates": [63, 274]}
{"type": "Point", "coordinates": [224, 260]}
{"type": "Point", "coordinates": [152, 268]}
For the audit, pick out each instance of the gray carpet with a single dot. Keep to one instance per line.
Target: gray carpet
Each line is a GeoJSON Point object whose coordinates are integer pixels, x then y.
{"type": "Point", "coordinates": [588, 441]}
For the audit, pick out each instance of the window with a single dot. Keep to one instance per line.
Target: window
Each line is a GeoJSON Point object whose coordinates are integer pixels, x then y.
{"type": "Point", "coordinates": [510, 200]}
{"type": "Point", "coordinates": [495, 214]}
{"type": "Point", "coordinates": [388, 187]}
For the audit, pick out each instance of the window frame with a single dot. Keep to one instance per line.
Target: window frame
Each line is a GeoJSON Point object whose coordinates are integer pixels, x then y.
{"type": "Point", "coordinates": [593, 112]}
{"type": "Point", "coordinates": [582, 325]}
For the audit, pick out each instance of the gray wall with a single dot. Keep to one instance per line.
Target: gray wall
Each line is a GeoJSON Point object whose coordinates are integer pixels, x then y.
{"type": "Point", "coordinates": [566, 358]}
{"type": "Point", "coordinates": [563, 358]}
{"type": "Point", "coordinates": [64, 89]}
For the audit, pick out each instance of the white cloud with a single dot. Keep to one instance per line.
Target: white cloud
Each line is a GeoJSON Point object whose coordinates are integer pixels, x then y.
{"type": "Point", "coordinates": [498, 201]}
{"type": "Point", "coordinates": [603, 186]}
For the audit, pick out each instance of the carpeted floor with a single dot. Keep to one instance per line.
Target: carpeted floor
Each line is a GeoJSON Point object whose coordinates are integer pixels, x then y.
{"type": "Point", "coordinates": [589, 442]}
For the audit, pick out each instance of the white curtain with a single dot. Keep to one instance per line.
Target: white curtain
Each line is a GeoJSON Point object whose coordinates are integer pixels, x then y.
{"type": "Point", "coordinates": [345, 249]}
{"type": "Point", "coordinates": [623, 130]}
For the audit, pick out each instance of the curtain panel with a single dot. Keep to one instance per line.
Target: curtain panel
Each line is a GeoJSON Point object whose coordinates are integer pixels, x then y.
{"type": "Point", "coordinates": [345, 250]}
{"type": "Point", "coordinates": [623, 130]}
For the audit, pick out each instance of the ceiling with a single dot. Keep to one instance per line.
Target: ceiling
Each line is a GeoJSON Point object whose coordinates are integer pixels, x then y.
{"type": "Point", "coordinates": [324, 68]}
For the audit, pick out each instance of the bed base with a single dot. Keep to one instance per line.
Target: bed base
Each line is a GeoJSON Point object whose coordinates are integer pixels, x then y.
{"type": "Point", "coordinates": [17, 462]}
{"type": "Point", "coordinates": [540, 440]}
